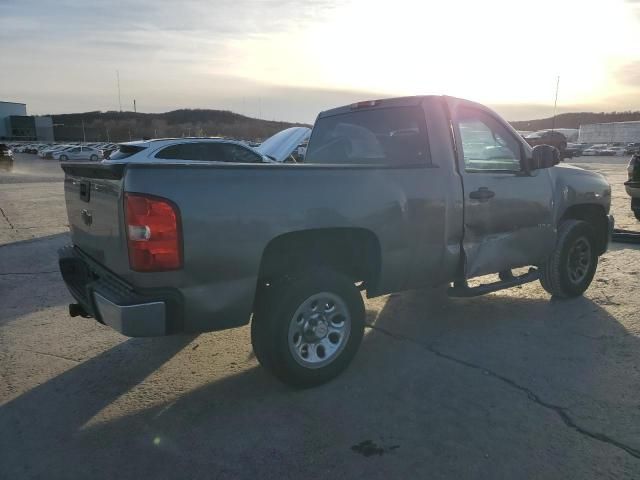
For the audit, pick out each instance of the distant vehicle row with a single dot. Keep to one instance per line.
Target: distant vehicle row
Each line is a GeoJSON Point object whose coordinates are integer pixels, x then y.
{"type": "Point", "coordinates": [69, 151]}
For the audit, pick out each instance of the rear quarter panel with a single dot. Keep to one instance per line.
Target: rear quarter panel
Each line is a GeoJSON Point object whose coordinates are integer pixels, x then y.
{"type": "Point", "coordinates": [230, 213]}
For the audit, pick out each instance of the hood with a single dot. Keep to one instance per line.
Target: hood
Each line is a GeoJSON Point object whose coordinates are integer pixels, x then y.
{"type": "Point", "coordinates": [279, 146]}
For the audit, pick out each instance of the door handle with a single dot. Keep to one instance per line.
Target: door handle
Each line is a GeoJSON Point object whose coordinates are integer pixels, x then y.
{"type": "Point", "coordinates": [482, 194]}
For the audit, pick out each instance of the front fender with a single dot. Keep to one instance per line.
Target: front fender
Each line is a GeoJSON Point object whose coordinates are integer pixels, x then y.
{"type": "Point", "coordinates": [574, 186]}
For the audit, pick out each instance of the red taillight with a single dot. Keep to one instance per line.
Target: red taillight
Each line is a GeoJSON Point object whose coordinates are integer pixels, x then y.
{"type": "Point", "coordinates": [153, 233]}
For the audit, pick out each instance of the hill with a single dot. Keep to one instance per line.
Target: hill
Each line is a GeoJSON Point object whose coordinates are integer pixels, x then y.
{"type": "Point", "coordinates": [574, 120]}
{"type": "Point", "coordinates": [125, 126]}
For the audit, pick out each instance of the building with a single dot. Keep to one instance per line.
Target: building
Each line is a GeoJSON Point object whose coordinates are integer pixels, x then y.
{"type": "Point", "coordinates": [15, 124]}
{"type": "Point", "coordinates": [8, 110]}
{"type": "Point", "coordinates": [44, 129]}
{"type": "Point", "coordinates": [616, 132]}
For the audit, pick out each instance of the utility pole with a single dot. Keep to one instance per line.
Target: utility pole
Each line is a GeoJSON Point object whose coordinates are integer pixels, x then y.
{"type": "Point", "coordinates": [119, 99]}
{"type": "Point", "coordinates": [84, 135]}
{"type": "Point", "coordinates": [108, 139]}
{"type": "Point", "coordinates": [134, 106]}
{"type": "Point", "coordinates": [555, 104]}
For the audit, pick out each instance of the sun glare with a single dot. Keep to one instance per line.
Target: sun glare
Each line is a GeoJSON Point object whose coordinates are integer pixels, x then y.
{"type": "Point", "coordinates": [494, 51]}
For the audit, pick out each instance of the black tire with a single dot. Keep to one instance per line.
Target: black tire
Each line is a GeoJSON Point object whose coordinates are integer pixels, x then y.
{"type": "Point", "coordinates": [557, 275]}
{"type": "Point", "coordinates": [93, 158]}
{"type": "Point", "coordinates": [63, 158]}
{"type": "Point", "coordinates": [274, 314]}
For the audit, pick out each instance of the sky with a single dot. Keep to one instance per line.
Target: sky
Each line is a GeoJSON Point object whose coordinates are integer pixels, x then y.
{"type": "Point", "coordinates": [290, 59]}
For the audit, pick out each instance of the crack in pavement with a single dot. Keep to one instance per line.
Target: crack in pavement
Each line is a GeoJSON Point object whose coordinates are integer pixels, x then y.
{"type": "Point", "coordinates": [560, 411]}
{"type": "Point", "coordinates": [62, 357]}
{"type": "Point", "coordinates": [28, 273]}
{"type": "Point", "coordinates": [6, 218]}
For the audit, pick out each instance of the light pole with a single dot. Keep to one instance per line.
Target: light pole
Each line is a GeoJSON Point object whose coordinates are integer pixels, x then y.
{"type": "Point", "coordinates": [555, 104]}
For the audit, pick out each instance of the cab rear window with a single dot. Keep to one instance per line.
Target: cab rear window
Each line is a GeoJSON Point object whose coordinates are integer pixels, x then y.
{"type": "Point", "coordinates": [382, 136]}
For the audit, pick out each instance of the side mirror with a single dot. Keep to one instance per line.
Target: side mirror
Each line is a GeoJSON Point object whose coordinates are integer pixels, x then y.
{"type": "Point", "coordinates": [544, 156]}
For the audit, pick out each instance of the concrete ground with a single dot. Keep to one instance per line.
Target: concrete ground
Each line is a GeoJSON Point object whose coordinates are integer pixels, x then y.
{"type": "Point", "coordinates": [511, 385]}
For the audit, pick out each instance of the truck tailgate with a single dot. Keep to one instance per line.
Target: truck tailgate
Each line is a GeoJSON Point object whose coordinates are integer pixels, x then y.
{"type": "Point", "coordinates": [93, 196]}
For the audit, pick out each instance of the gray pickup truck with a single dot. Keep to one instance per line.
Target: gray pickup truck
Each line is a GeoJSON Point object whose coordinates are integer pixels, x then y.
{"type": "Point", "coordinates": [393, 194]}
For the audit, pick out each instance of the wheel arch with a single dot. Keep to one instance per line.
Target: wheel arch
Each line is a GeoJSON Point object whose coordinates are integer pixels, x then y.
{"type": "Point", "coordinates": [595, 215]}
{"type": "Point", "coordinates": [349, 250]}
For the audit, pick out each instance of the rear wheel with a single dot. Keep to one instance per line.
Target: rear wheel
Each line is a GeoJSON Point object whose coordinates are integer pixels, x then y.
{"type": "Point", "coordinates": [94, 158]}
{"type": "Point", "coordinates": [63, 158]}
{"type": "Point", "coordinates": [570, 269]}
{"type": "Point", "coordinates": [307, 330]}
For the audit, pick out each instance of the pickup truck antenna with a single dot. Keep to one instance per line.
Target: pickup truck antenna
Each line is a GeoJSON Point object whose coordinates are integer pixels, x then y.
{"type": "Point", "coordinates": [555, 104]}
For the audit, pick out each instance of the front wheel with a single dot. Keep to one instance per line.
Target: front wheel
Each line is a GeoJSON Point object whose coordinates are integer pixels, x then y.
{"type": "Point", "coordinates": [307, 330]}
{"type": "Point", "coordinates": [94, 158]}
{"type": "Point", "coordinates": [569, 270]}
{"type": "Point", "coordinates": [63, 158]}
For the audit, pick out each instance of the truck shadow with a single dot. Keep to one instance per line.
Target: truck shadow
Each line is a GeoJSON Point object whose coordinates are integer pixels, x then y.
{"type": "Point", "coordinates": [398, 389]}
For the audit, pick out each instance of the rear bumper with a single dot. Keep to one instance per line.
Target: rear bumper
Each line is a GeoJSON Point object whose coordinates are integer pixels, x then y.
{"type": "Point", "coordinates": [113, 302]}
{"type": "Point", "coordinates": [611, 225]}
{"type": "Point", "coordinates": [632, 188]}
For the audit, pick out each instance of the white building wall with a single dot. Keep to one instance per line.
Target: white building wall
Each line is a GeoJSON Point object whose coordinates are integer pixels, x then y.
{"type": "Point", "coordinates": [618, 132]}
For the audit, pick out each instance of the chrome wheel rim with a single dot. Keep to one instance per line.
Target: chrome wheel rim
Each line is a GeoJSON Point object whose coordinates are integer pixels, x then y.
{"type": "Point", "coordinates": [319, 330]}
{"type": "Point", "coordinates": [579, 260]}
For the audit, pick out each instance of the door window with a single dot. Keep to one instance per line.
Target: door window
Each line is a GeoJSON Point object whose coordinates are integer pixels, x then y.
{"type": "Point", "coordinates": [487, 144]}
{"type": "Point", "coordinates": [182, 151]}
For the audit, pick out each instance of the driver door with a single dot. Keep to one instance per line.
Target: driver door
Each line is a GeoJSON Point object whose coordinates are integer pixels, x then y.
{"type": "Point", "coordinates": [507, 211]}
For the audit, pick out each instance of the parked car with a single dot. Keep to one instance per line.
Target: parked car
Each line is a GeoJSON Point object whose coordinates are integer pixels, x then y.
{"type": "Point", "coordinates": [632, 185]}
{"type": "Point", "coordinates": [49, 152]}
{"type": "Point", "coordinates": [162, 246]}
{"type": "Point", "coordinates": [549, 137]}
{"type": "Point", "coordinates": [77, 153]}
{"type": "Point", "coordinates": [277, 148]}
{"type": "Point", "coordinates": [596, 150]}
{"type": "Point", "coordinates": [6, 158]}
{"type": "Point", "coordinates": [632, 148]}
{"type": "Point", "coordinates": [5, 150]}
{"type": "Point", "coordinates": [573, 150]}
{"type": "Point", "coordinates": [618, 151]}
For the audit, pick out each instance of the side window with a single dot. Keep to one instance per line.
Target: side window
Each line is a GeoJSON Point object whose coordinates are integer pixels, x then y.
{"type": "Point", "coordinates": [182, 151]}
{"type": "Point", "coordinates": [213, 152]}
{"type": "Point", "coordinates": [242, 155]}
{"type": "Point", "coordinates": [486, 143]}
{"type": "Point", "coordinates": [381, 136]}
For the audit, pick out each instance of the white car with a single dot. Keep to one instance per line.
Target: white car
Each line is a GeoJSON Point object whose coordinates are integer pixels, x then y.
{"type": "Point", "coordinates": [276, 149]}
{"type": "Point", "coordinates": [77, 153]}
{"type": "Point", "coordinates": [593, 151]}
{"type": "Point", "coordinates": [619, 151]}
{"type": "Point", "coordinates": [47, 152]}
